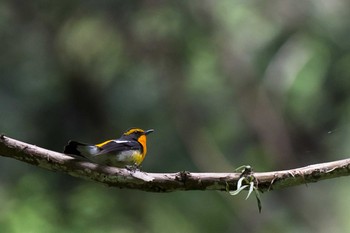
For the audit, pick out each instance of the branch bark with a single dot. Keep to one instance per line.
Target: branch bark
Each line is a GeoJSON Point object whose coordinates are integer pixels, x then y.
{"type": "Point", "coordinates": [166, 182]}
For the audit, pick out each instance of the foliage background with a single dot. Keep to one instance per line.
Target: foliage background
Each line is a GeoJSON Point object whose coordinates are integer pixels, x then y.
{"type": "Point", "coordinates": [223, 83]}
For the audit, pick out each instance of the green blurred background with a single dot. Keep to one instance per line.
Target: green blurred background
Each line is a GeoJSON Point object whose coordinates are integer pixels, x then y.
{"type": "Point", "coordinates": [223, 83]}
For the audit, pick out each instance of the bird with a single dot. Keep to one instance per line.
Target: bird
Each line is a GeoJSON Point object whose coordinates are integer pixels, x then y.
{"type": "Point", "coordinates": [128, 151]}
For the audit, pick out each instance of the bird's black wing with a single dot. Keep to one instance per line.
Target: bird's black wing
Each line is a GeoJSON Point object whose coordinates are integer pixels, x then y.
{"type": "Point", "coordinates": [116, 146]}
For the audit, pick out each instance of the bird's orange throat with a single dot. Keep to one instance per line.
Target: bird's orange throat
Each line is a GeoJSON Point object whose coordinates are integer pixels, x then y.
{"type": "Point", "coordinates": [142, 139]}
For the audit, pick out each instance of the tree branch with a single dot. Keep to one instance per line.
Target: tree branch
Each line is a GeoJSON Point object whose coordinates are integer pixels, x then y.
{"type": "Point", "coordinates": [166, 182]}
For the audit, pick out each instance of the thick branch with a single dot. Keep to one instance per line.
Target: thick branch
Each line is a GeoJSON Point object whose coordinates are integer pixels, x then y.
{"type": "Point", "coordinates": [166, 182]}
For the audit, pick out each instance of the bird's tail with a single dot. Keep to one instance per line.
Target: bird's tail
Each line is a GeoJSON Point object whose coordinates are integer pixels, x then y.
{"type": "Point", "coordinates": [73, 148]}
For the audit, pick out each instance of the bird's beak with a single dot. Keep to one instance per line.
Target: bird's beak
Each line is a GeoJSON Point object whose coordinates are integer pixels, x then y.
{"type": "Point", "coordinates": [149, 131]}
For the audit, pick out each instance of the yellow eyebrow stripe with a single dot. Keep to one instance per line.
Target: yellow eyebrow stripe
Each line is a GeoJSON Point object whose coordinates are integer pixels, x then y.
{"type": "Point", "coordinates": [134, 130]}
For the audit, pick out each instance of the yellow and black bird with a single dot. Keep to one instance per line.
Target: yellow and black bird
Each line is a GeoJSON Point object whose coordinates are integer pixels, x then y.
{"type": "Point", "coordinates": [128, 150]}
